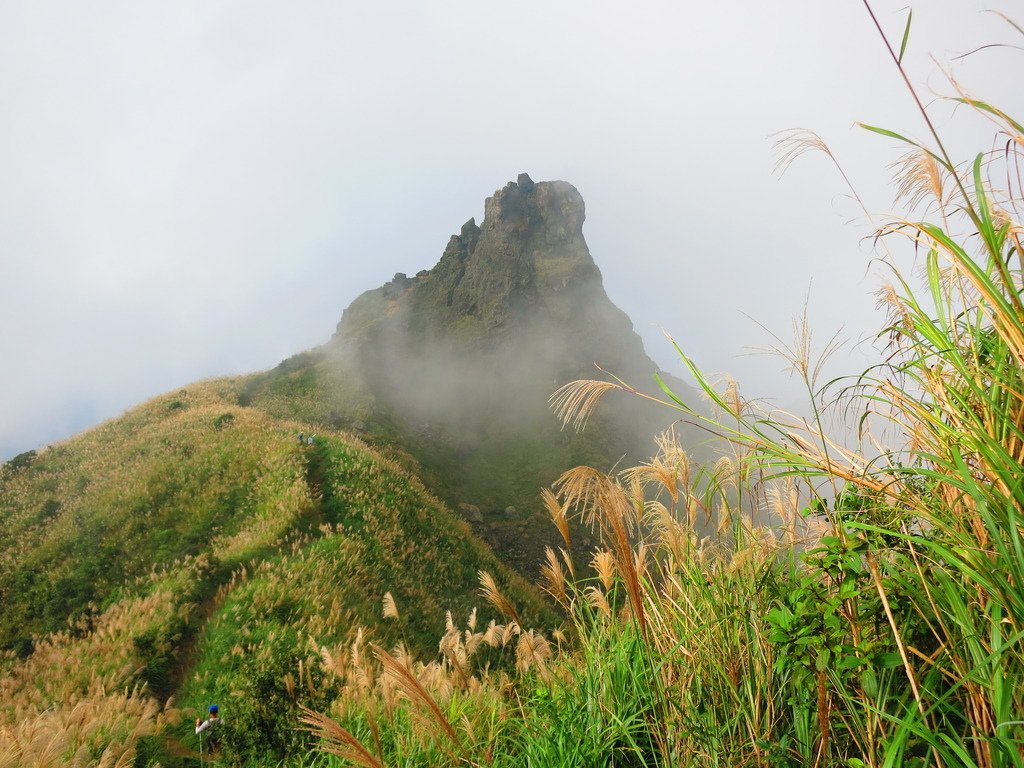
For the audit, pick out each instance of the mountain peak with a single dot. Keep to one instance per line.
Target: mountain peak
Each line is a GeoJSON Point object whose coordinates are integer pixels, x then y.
{"type": "Point", "coordinates": [529, 247]}
{"type": "Point", "coordinates": [554, 206]}
{"type": "Point", "coordinates": [456, 363]}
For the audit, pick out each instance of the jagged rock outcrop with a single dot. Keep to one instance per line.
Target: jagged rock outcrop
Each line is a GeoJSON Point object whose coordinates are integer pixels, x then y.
{"type": "Point", "coordinates": [456, 364]}
{"type": "Point", "coordinates": [519, 296]}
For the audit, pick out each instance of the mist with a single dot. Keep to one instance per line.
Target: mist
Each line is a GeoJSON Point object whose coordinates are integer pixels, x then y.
{"type": "Point", "coordinates": [198, 190]}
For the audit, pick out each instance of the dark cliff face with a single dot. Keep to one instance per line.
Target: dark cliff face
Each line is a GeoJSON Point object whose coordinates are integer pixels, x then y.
{"type": "Point", "coordinates": [520, 291]}
{"type": "Point", "coordinates": [530, 246]}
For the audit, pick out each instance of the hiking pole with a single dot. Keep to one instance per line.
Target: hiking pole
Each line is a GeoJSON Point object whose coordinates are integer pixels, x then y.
{"type": "Point", "coordinates": [200, 748]}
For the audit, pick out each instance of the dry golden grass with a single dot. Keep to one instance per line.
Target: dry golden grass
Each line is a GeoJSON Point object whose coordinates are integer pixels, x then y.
{"type": "Point", "coordinates": [680, 589]}
{"type": "Point", "coordinates": [74, 700]}
{"type": "Point", "coordinates": [98, 730]}
{"type": "Point", "coordinates": [336, 740]}
{"type": "Point", "coordinates": [383, 685]}
{"type": "Point", "coordinates": [575, 402]}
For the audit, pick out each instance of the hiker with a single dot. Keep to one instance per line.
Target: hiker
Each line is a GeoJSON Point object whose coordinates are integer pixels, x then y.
{"type": "Point", "coordinates": [302, 439]}
{"type": "Point", "coordinates": [210, 722]}
{"type": "Point", "coordinates": [309, 440]}
{"type": "Point", "coordinates": [209, 726]}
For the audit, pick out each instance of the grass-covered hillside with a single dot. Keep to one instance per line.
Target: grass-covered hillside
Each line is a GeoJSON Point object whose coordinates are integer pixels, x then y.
{"type": "Point", "coordinates": [193, 551]}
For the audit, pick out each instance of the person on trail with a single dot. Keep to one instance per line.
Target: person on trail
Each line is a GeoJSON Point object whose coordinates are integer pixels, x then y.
{"type": "Point", "coordinates": [309, 440]}
{"type": "Point", "coordinates": [302, 439]}
{"type": "Point", "coordinates": [210, 723]}
{"type": "Point", "coordinates": [209, 726]}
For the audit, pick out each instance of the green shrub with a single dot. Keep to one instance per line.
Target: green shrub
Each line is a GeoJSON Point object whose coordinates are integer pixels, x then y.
{"type": "Point", "coordinates": [21, 461]}
{"type": "Point", "coordinates": [224, 420]}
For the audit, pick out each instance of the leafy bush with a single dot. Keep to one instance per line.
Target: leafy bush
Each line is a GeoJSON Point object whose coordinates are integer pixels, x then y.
{"type": "Point", "coordinates": [224, 420]}
{"type": "Point", "coordinates": [21, 461]}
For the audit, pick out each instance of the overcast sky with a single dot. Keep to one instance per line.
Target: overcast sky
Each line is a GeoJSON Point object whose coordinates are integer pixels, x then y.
{"type": "Point", "coordinates": [191, 189]}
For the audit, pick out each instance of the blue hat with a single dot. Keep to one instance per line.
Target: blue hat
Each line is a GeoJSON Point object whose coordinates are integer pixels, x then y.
{"type": "Point", "coordinates": [213, 709]}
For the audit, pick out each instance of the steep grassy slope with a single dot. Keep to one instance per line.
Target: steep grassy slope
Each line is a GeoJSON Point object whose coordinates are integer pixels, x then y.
{"type": "Point", "coordinates": [262, 648]}
{"type": "Point", "coordinates": [193, 547]}
{"type": "Point", "coordinates": [181, 475]}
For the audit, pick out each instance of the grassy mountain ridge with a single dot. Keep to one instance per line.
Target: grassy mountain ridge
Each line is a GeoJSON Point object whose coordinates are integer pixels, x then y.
{"type": "Point", "coordinates": [144, 548]}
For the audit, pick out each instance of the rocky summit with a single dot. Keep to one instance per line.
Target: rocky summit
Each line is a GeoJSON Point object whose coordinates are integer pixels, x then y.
{"type": "Point", "coordinates": [453, 367]}
{"type": "Point", "coordinates": [494, 278]}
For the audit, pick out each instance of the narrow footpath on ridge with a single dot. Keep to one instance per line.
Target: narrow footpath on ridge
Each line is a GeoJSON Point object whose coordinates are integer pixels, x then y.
{"type": "Point", "coordinates": [187, 654]}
